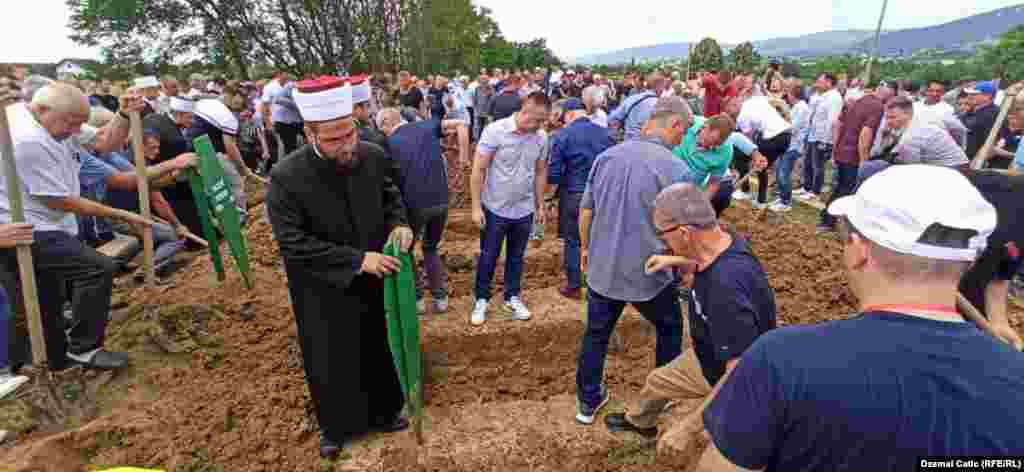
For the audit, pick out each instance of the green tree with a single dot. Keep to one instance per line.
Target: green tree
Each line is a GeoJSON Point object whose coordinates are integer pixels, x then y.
{"type": "Point", "coordinates": [744, 58]}
{"type": "Point", "coordinates": [1005, 57]}
{"type": "Point", "coordinates": [707, 55]}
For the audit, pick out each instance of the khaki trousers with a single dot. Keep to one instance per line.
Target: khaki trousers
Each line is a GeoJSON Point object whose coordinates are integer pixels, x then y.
{"type": "Point", "coordinates": [681, 379]}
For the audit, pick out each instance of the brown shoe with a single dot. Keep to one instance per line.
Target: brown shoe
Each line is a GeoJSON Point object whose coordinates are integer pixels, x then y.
{"type": "Point", "coordinates": [571, 293]}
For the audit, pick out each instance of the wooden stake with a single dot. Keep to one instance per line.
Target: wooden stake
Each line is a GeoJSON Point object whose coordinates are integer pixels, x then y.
{"type": "Point", "coordinates": [26, 268]}
{"type": "Point", "coordinates": [140, 169]}
{"type": "Point", "coordinates": [187, 234]}
{"type": "Point", "coordinates": [972, 314]}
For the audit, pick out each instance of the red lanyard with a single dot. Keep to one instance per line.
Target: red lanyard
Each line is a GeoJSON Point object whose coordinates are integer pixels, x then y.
{"type": "Point", "coordinates": [915, 308]}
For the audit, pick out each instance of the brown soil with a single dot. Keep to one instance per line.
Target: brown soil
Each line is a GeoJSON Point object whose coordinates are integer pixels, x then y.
{"type": "Point", "coordinates": [218, 383]}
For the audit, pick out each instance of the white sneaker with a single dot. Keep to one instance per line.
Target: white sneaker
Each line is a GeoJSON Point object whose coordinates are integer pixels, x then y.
{"type": "Point", "coordinates": [10, 383]}
{"type": "Point", "coordinates": [808, 197]}
{"type": "Point", "coordinates": [421, 307]}
{"type": "Point", "coordinates": [479, 315]}
{"type": "Point", "coordinates": [518, 309]}
{"type": "Point", "coordinates": [740, 195]}
{"type": "Point", "coordinates": [758, 205]}
{"type": "Point", "coordinates": [779, 207]}
{"type": "Point", "coordinates": [441, 305]}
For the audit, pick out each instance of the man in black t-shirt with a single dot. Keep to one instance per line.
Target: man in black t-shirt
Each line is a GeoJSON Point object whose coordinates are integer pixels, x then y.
{"type": "Point", "coordinates": [409, 95]}
{"type": "Point", "coordinates": [508, 102]}
{"type": "Point", "coordinates": [731, 306]}
{"type": "Point", "coordinates": [436, 96]}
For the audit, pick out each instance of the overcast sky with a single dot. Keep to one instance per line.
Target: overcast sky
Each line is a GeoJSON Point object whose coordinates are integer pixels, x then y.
{"type": "Point", "coordinates": [37, 31]}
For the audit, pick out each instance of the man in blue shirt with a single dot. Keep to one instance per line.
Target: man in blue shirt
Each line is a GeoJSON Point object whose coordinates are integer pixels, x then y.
{"type": "Point", "coordinates": [905, 379]}
{"type": "Point", "coordinates": [616, 226]}
{"type": "Point", "coordinates": [730, 306]}
{"type": "Point", "coordinates": [423, 181]}
{"type": "Point", "coordinates": [634, 111]}
{"type": "Point", "coordinates": [573, 151]}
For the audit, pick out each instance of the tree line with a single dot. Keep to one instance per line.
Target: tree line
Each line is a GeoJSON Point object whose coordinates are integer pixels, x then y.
{"type": "Point", "coordinates": [249, 39]}
{"type": "Point", "coordinates": [1000, 59]}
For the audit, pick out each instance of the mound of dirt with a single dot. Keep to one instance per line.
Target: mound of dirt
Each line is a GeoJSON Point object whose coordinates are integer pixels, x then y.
{"type": "Point", "coordinates": [499, 397]}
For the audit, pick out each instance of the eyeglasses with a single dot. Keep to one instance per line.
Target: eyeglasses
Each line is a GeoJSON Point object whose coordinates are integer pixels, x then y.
{"type": "Point", "coordinates": [662, 232]}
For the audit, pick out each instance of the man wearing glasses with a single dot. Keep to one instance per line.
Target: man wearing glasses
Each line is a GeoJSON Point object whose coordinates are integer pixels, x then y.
{"type": "Point", "coordinates": [731, 306]}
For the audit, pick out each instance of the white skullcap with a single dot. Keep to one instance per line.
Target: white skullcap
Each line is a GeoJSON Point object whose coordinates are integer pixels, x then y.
{"type": "Point", "coordinates": [360, 89]}
{"type": "Point", "coordinates": [182, 105]}
{"type": "Point", "coordinates": [323, 99]}
{"type": "Point", "coordinates": [145, 82]}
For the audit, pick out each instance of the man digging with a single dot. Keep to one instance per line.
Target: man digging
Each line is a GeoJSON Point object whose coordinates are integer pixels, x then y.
{"type": "Point", "coordinates": [731, 305]}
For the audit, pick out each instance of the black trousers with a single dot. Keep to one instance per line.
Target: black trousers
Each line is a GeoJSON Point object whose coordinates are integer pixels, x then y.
{"type": "Point", "coordinates": [66, 269]}
{"type": "Point", "coordinates": [771, 149]}
{"type": "Point", "coordinates": [289, 133]}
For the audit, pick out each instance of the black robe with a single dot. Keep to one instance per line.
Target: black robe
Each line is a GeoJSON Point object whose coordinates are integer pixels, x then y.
{"type": "Point", "coordinates": [324, 222]}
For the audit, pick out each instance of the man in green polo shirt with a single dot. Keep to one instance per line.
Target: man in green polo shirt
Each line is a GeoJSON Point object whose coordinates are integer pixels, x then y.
{"type": "Point", "coordinates": [707, 150]}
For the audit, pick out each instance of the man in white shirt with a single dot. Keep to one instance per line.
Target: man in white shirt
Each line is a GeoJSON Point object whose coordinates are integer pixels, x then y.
{"type": "Point", "coordinates": [825, 110]}
{"type": "Point", "coordinates": [280, 113]}
{"type": "Point", "coordinates": [934, 109]}
{"type": "Point", "coordinates": [762, 123]}
{"type": "Point", "coordinates": [66, 269]}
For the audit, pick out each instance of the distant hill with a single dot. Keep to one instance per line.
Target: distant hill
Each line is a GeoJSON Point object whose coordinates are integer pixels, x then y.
{"type": "Point", "coordinates": [960, 35]}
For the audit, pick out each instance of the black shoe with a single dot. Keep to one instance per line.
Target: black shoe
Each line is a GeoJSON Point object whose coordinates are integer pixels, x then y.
{"type": "Point", "coordinates": [394, 426]}
{"type": "Point", "coordinates": [617, 423]}
{"type": "Point", "coordinates": [329, 449]}
{"type": "Point", "coordinates": [103, 360]}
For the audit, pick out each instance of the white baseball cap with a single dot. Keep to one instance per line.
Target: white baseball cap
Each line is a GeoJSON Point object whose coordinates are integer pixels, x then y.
{"type": "Point", "coordinates": [905, 208]}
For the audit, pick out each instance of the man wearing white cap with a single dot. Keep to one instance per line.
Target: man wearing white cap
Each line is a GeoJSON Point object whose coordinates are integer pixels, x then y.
{"type": "Point", "coordinates": [904, 379]}
{"type": "Point", "coordinates": [149, 87]}
{"type": "Point", "coordinates": [333, 207]}
{"type": "Point", "coordinates": [361, 94]}
{"type": "Point", "coordinates": [171, 128]}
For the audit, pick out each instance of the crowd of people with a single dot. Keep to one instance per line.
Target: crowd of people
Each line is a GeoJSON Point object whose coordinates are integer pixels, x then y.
{"type": "Point", "coordinates": [636, 174]}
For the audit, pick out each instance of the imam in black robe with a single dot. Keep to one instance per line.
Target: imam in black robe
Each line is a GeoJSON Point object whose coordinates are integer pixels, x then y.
{"type": "Point", "coordinates": [324, 221]}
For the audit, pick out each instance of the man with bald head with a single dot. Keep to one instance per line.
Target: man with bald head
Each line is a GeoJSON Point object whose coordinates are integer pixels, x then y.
{"type": "Point", "coordinates": [423, 180]}
{"type": "Point", "coordinates": [731, 305]}
{"type": "Point", "coordinates": [49, 175]}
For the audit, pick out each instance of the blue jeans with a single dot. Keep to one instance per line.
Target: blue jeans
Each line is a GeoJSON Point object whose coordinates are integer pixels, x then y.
{"type": "Point", "coordinates": [845, 184]}
{"type": "Point", "coordinates": [662, 311]}
{"type": "Point", "coordinates": [784, 175]}
{"type": "Point", "coordinates": [814, 166]}
{"type": "Point", "coordinates": [516, 235]}
{"type": "Point", "coordinates": [569, 230]}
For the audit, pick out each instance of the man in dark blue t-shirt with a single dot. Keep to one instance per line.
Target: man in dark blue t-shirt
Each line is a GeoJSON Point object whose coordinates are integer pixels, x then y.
{"type": "Point", "coordinates": [905, 379]}
{"type": "Point", "coordinates": [423, 180]}
{"type": "Point", "coordinates": [732, 304]}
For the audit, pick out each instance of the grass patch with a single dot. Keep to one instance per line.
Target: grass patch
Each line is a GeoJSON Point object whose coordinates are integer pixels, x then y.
{"type": "Point", "coordinates": [634, 451]}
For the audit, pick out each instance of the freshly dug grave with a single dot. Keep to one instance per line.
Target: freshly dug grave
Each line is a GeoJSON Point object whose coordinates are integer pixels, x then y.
{"type": "Point", "coordinates": [224, 389]}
